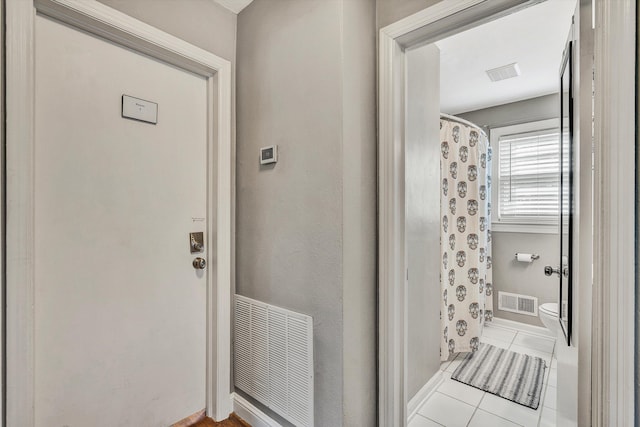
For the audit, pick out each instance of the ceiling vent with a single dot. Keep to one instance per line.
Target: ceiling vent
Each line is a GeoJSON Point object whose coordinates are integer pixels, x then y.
{"type": "Point", "coordinates": [504, 72]}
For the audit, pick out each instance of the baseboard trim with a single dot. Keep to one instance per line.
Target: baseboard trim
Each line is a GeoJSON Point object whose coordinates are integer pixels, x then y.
{"type": "Point", "coordinates": [423, 394]}
{"type": "Point", "coordinates": [254, 416]}
{"type": "Point", "coordinates": [538, 330]}
{"type": "Point", "coordinates": [190, 420]}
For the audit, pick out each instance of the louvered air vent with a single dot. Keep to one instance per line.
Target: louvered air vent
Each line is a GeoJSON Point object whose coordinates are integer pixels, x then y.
{"type": "Point", "coordinates": [273, 358]}
{"type": "Point", "coordinates": [515, 303]}
{"type": "Point", "coordinates": [504, 72]}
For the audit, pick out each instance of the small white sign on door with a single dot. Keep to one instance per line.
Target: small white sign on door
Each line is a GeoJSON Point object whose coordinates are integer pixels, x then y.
{"type": "Point", "coordinates": [139, 109]}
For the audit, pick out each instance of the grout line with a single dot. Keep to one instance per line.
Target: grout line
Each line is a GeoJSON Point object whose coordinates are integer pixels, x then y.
{"type": "Point", "coordinates": [483, 396]}
{"type": "Point", "coordinates": [503, 418]}
{"type": "Point", "coordinates": [545, 386]}
{"type": "Point", "coordinates": [535, 335]}
{"type": "Point", "coordinates": [496, 415]}
{"type": "Point", "coordinates": [477, 408]}
{"type": "Point", "coordinates": [455, 398]}
{"type": "Point", "coordinates": [504, 328]}
{"type": "Point", "coordinates": [462, 401]}
{"type": "Point", "coordinates": [433, 421]}
{"type": "Point", "coordinates": [513, 339]}
{"type": "Point", "coordinates": [472, 415]}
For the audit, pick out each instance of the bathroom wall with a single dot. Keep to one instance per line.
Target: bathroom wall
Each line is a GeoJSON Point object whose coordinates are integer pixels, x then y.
{"type": "Point", "coordinates": [422, 172]}
{"type": "Point", "coordinates": [523, 278]}
{"type": "Point", "coordinates": [509, 275]}
{"type": "Point", "coordinates": [306, 226]}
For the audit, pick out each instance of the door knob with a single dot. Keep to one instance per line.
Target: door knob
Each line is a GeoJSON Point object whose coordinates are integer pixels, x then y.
{"type": "Point", "coordinates": [199, 263]}
{"type": "Point", "coordinates": [548, 270]}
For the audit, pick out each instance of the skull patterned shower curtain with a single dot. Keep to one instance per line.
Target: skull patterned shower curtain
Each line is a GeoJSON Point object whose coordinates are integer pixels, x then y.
{"type": "Point", "coordinates": [465, 238]}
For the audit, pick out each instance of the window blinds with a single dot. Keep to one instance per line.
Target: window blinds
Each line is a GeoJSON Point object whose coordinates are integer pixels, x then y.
{"type": "Point", "coordinates": [529, 176]}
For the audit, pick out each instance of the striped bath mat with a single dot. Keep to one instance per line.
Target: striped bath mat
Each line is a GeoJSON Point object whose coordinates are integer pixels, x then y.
{"type": "Point", "coordinates": [513, 376]}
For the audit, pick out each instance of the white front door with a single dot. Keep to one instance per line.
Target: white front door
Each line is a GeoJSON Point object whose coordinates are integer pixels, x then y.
{"type": "Point", "coordinates": [120, 312]}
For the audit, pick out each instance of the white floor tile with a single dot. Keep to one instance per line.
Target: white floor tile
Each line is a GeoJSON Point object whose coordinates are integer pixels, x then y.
{"type": "Point", "coordinates": [554, 363]}
{"type": "Point", "coordinates": [551, 398]}
{"type": "Point", "coordinates": [500, 334]}
{"type": "Point", "coordinates": [444, 365]}
{"type": "Point", "coordinates": [485, 419]}
{"type": "Point", "coordinates": [495, 342]}
{"type": "Point", "coordinates": [420, 421]}
{"type": "Point", "coordinates": [460, 391]}
{"type": "Point", "coordinates": [454, 365]}
{"type": "Point", "coordinates": [454, 404]}
{"type": "Point", "coordinates": [446, 410]}
{"type": "Point", "coordinates": [535, 342]}
{"type": "Point", "coordinates": [509, 410]}
{"type": "Point", "coordinates": [531, 352]}
{"type": "Point", "coordinates": [548, 418]}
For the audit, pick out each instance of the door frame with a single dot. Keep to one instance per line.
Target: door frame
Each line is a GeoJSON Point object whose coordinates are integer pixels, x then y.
{"type": "Point", "coordinates": [102, 21]}
{"type": "Point", "coordinates": [614, 257]}
{"type": "Point", "coordinates": [615, 196]}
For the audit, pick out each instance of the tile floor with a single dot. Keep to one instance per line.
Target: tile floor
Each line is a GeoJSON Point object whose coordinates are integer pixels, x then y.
{"type": "Point", "coordinates": [454, 404]}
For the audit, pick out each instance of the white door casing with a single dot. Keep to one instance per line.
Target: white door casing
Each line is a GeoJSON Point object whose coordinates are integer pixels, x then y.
{"type": "Point", "coordinates": [412, 31]}
{"type": "Point", "coordinates": [613, 386]}
{"type": "Point", "coordinates": [453, 15]}
{"type": "Point", "coordinates": [98, 19]}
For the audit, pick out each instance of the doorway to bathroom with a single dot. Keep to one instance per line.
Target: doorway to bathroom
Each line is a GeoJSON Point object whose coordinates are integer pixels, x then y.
{"type": "Point", "coordinates": [498, 134]}
{"type": "Point", "coordinates": [476, 282]}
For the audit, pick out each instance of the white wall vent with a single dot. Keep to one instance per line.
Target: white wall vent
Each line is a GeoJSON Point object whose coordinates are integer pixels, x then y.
{"type": "Point", "coordinates": [505, 72]}
{"type": "Point", "coordinates": [273, 358]}
{"type": "Point", "coordinates": [516, 303]}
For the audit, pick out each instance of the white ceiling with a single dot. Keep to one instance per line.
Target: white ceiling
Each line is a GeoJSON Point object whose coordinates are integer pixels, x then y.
{"type": "Point", "coordinates": [234, 6]}
{"type": "Point", "coordinates": [534, 38]}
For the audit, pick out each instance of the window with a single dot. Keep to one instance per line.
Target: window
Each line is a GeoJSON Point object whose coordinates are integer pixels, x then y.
{"type": "Point", "coordinates": [526, 179]}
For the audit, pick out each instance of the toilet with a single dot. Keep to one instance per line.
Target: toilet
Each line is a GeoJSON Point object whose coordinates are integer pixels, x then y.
{"type": "Point", "coordinates": [548, 314]}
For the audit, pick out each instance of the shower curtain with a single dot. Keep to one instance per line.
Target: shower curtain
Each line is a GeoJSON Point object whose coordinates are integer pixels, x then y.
{"type": "Point", "coordinates": [465, 237]}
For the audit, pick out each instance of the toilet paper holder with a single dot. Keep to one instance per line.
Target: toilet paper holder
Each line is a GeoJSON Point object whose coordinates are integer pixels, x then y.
{"type": "Point", "coordinates": [533, 256]}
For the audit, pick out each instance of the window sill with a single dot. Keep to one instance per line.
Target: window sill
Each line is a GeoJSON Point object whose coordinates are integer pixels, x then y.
{"type": "Point", "coordinates": [501, 227]}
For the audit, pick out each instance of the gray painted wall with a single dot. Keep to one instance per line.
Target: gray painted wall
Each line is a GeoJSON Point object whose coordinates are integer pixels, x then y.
{"type": "Point", "coordinates": [523, 278]}
{"type": "Point", "coordinates": [422, 172]}
{"type": "Point", "coordinates": [359, 203]}
{"type": "Point", "coordinates": [306, 227]}
{"type": "Point", "coordinates": [390, 11]}
{"type": "Point", "coordinates": [509, 275]}
{"type": "Point", "coordinates": [200, 22]}
{"type": "Point", "coordinates": [637, 236]}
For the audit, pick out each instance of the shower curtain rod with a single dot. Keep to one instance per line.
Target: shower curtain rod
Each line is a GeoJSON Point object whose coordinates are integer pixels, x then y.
{"type": "Point", "coordinates": [462, 121]}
